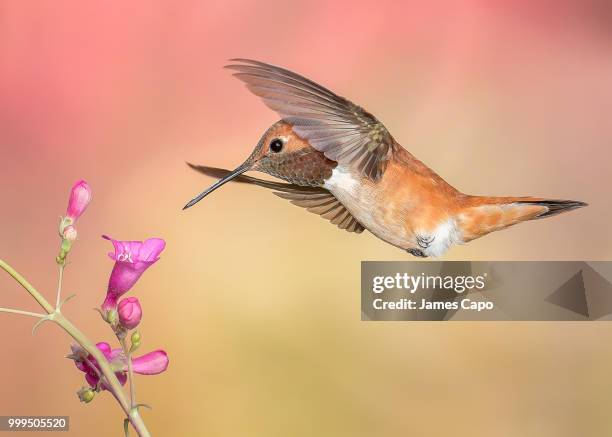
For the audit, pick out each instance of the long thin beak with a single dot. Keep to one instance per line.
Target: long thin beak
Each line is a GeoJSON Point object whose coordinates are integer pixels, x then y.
{"type": "Point", "coordinates": [237, 172]}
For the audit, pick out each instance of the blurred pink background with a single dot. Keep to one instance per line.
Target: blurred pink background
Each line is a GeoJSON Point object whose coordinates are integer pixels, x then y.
{"type": "Point", "coordinates": [257, 301]}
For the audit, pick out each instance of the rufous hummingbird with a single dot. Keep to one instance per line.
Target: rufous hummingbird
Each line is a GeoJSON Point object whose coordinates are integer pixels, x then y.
{"type": "Point", "coordinates": [341, 162]}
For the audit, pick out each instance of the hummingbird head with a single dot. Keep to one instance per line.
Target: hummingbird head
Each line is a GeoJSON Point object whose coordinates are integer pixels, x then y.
{"type": "Point", "coordinates": [283, 154]}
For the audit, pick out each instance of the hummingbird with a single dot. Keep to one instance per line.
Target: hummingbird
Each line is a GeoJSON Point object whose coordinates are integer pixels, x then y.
{"type": "Point", "coordinates": [341, 162]}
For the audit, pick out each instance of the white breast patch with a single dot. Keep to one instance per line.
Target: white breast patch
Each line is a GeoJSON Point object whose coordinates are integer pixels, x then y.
{"type": "Point", "coordinates": [343, 180]}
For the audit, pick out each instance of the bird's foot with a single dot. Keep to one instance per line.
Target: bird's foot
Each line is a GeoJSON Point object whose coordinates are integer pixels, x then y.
{"type": "Point", "coordinates": [424, 242]}
{"type": "Point", "coordinates": [416, 252]}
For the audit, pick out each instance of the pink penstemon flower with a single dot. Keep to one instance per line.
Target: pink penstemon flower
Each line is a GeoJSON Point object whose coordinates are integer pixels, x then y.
{"type": "Point", "coordinates": [132, 259]}
{"type": "Point", "coordinates": [152, 363]}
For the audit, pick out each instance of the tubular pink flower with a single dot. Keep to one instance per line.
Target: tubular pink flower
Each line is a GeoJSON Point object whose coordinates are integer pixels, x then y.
{"type": "Point", "coordinates": [152, 363]}
{"type": "Point", "coordinates": [129, 312]}
{"type": "Point", "coordinates": [80, 196]}
{"type": "Point", "coordinates": [132, 258]}
{"type": "Point", "coordinates": [91, 369]}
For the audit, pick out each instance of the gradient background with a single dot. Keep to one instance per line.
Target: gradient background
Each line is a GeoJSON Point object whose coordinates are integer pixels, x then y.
{"type": "Point", "coordinates": [255, 300]}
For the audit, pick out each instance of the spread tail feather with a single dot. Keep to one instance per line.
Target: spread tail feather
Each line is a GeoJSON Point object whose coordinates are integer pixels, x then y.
{"type": "Point", "coordinates": [483, 215]}
{"type": "Point", "coordinates": [556, 206]}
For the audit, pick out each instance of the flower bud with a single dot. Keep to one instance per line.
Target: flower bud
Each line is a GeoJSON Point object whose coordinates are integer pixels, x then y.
{"type": "Point", "coordinates": [80, 196]}
{"type": "Point", "coordinates": [129, 312]}
{"type": "Point", "coordinates": [135, 341]}
{"type": "Point", "coordinates": [70, 233]}
{"type": "Point", "coordinates": [111, 317]}
{"type": "Point", "coordinates": [86, 394]}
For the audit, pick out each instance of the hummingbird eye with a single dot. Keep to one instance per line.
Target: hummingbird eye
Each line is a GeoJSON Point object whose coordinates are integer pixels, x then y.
{"type": "Point", "coordinates": [276, 145]}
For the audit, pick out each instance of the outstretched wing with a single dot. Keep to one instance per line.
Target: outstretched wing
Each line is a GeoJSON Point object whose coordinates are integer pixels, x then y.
{"type": "Point", "coordinates": [326, 205]}
{"type": "Point", "coordinates": [315, 199]}
{"type": "Point", "coordinates": [343, 131]}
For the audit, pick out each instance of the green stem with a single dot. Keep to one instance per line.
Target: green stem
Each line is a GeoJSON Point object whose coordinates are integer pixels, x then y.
{"type": "Point", "coordinates": [54, 315]}
{"type": "Point", "coordinates": [25, 313]}
{"type": "Point", "coordinates": [128, 355]}
{"type": "Point", "coordinates": [28, 287]}
{"type": "Point", "coordinates": [59, 283]}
